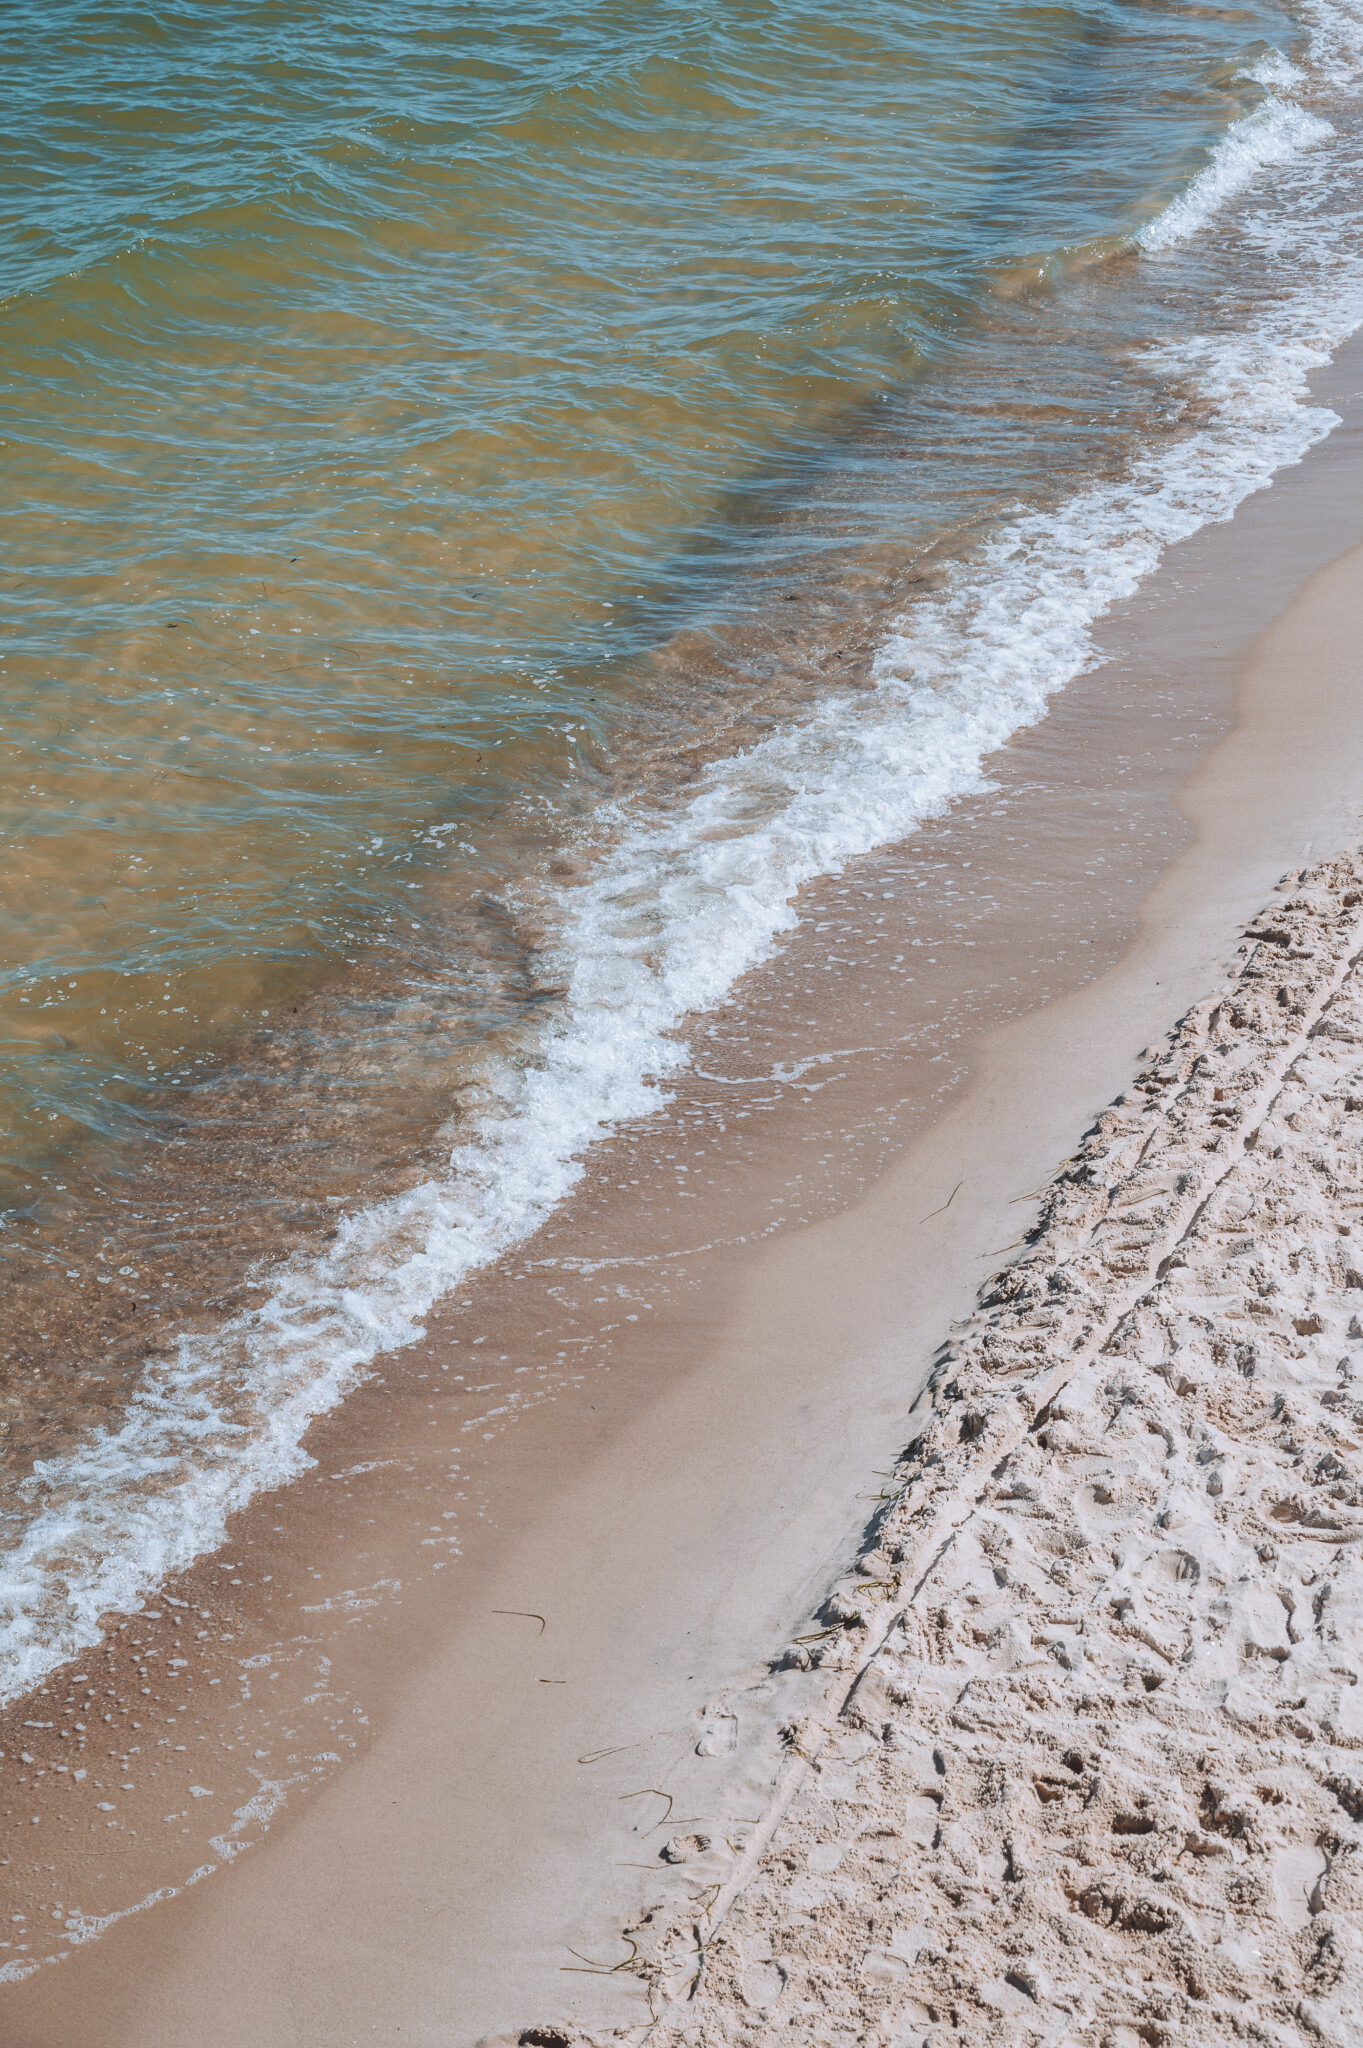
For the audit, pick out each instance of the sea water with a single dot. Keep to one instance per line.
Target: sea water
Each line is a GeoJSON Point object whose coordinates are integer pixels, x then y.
{"type": "Point", "coordinates": [495, 504]}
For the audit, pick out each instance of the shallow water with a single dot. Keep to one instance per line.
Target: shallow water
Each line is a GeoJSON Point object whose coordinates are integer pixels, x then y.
{"type": "Point", "coordinates": [378, 397]}
{"type": "Point", "coordinates": [494, 505]}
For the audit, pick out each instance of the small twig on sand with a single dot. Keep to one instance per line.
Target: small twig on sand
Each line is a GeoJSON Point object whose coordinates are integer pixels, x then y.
{"type": "Point", "coordinates": [650, 1792]}
{"type": "Point", "coordinates": [1036, 1193]}
{"type": "Point", "coordinates": [945, 1206]}
{"type": "Point", "coordinates": [601, 1969]}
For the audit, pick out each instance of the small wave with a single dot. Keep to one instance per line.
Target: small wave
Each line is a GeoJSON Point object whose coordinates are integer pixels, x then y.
{"type": "Point", "coordinates": [1276, 132]}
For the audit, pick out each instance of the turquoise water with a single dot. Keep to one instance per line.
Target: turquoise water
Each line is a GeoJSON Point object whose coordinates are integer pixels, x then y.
{"type": "Point", "coordinates": [380, 393]}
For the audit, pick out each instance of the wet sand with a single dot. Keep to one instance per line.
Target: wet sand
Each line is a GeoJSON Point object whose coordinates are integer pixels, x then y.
{"type": "Point", "coordinates": [514, 1633]}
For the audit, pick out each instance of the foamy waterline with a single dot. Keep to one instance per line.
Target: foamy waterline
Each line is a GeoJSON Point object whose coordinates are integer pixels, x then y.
{"type": "Point", "coordinates": [684, 906]}
{"type": "Point", "coordinates": [1276, 132]}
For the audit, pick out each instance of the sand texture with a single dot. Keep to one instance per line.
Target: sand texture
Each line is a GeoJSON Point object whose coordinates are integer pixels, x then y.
{"type": "Point", "coordinates": [1091, 1766]}
{"type": "Point", "coordinates": [680, 1514]}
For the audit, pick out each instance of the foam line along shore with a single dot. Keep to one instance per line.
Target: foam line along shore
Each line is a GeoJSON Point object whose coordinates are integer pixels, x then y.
{"type": "Point", "coordinates": [680, 905]}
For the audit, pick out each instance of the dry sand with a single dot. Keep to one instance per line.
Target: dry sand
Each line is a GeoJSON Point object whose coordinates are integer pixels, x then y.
{"type": "Point", "coordinates": [1091, 1769]}
{"type": "Point", "coordinates": [491, 1797]}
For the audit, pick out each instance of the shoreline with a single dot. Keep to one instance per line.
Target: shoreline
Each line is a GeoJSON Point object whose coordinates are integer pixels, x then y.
{"type": "Point", "coordinates": [679, 1515]}
{"type": "Point", "coordinates": [345, 1251]}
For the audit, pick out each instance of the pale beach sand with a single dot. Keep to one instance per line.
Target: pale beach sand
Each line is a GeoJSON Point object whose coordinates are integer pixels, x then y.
{"type": "Point", "coordinates": [700, 1386]}
{"type": "Point", "coordinates": [1092, 1767]}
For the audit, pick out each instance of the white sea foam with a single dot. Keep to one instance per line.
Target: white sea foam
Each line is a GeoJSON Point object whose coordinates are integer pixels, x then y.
{"type": "Point", "coordinates": [1274, 133]}
{"type": "Point", "coordinates": [683, 906]}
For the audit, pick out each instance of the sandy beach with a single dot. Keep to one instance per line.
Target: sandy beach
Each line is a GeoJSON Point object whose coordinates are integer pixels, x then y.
{"type": "Point", "coordinates": [542, 1646]}
{"type": "Point", "coordinates": [1091, 1772]}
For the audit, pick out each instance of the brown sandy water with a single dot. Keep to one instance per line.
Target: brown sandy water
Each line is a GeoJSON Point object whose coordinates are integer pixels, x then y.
{"type": "Point", "coordinates": [260, 1099]}
{"type": "Point", "coordinates": [644, 1428]}
{"type": "Point", "coordinates": [278, 1101]}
